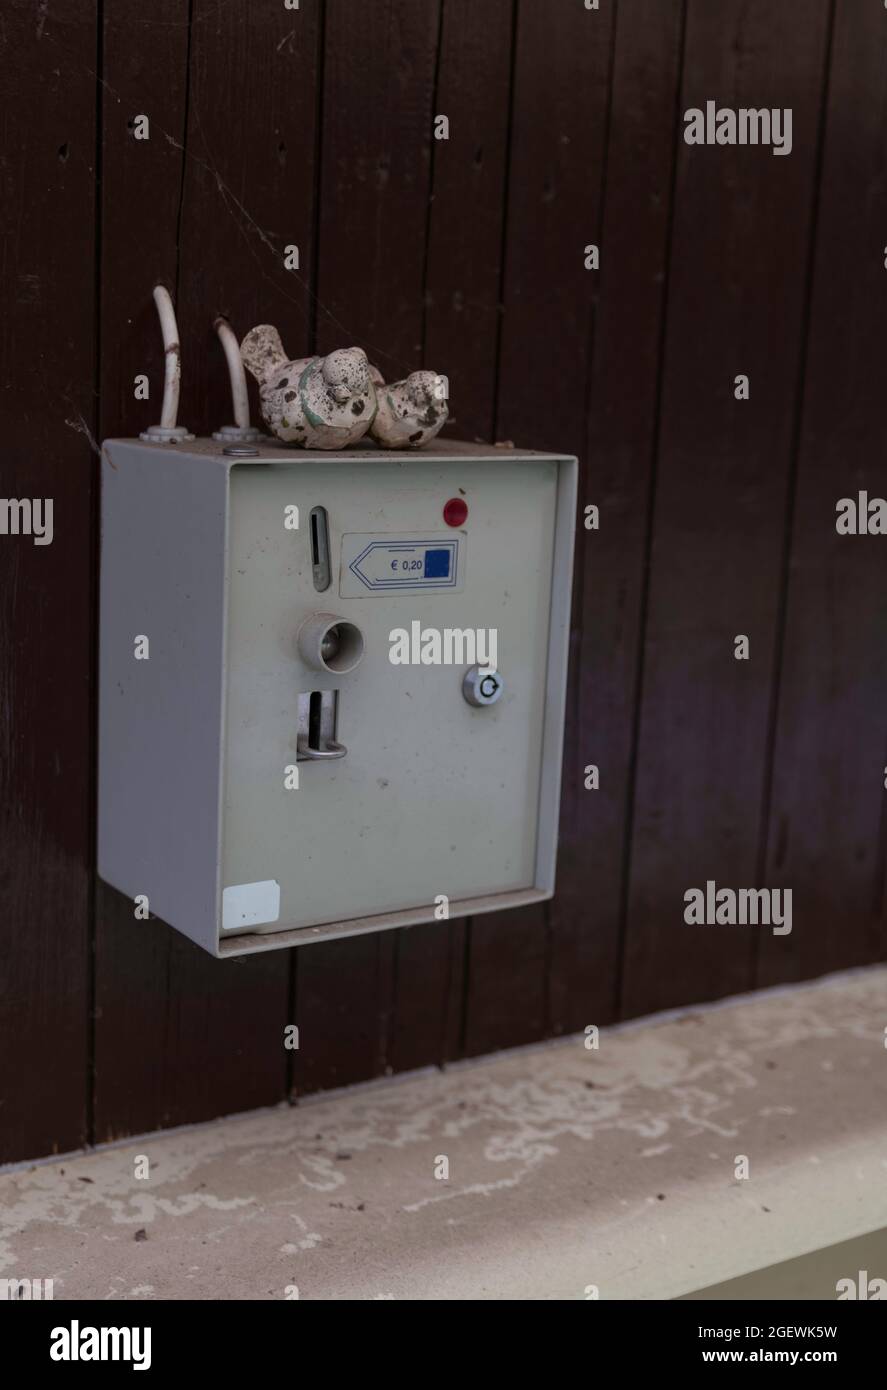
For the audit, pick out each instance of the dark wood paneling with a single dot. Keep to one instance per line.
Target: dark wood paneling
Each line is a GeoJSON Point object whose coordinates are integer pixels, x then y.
{"type": "Point", "coordinates": [180, 1036]}
{"type": "Point", "coordinates": [375, 154]}
{"type": "Point", "coordinates": [610, 562]}
{"type": "Point", "coordinates": [314, 127]}
{"type": "Point", "coordinates": [47, 348]}
{"type": "Point", "coordinates": [735, 305]}
{"type": "Point", "coordinates": [555, 193]}
{"type": "Point", "coordinates": [826, 837]}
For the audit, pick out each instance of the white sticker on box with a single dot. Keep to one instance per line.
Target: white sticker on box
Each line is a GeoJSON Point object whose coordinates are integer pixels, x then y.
{"type": "Point", "coordinates": [250, 904]}
{"type": "Point", "coordinates": [401, 563]}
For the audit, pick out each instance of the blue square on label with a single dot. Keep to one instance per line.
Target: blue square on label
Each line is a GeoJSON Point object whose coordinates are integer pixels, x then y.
{"type": "Point", "coordinates": [437, 564]}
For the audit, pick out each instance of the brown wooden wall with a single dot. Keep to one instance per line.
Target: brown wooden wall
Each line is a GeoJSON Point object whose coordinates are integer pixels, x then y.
{"type": "Point", "coordinates": [271, 126]}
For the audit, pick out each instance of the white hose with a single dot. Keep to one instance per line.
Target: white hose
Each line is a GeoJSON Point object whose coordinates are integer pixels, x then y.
{"type": "Point", "coordinates": [173, 372]}
{"type": "Point", "coordinates": [239, 397]}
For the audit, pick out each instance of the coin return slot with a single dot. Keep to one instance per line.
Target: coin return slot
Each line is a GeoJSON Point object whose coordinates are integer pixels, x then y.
{"type": "Point", "coordinates": [318, 722]}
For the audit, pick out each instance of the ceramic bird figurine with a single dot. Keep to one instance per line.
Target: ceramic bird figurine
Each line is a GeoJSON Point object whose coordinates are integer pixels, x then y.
{"type": "Point", "coordinates": [315, 402]}
{"type": "Point", "coordinates": [409, 412]}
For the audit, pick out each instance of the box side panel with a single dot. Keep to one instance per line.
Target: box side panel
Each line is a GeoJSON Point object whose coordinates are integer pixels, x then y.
{"type": "Point", "coordinates": [556, 676]}
{"type": "Point", "coordinates": [162, 578]}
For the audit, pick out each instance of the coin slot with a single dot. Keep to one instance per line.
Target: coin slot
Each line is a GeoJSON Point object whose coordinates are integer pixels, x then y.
{"type": "Point", "coordinates": [319, 527]}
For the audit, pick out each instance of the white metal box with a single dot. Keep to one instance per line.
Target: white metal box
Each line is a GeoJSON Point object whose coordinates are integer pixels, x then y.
{"type": "Point", "coordinates": [224, 797]}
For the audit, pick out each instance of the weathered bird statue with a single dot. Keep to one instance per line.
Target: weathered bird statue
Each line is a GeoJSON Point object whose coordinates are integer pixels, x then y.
{"type": "Point", "coordinates": [409, 412]}
{"type": "Point", "coordinates": [315, 402]}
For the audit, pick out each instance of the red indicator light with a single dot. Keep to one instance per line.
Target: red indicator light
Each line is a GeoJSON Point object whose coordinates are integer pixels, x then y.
{"type": "Point", "coordinates": [455, 511]}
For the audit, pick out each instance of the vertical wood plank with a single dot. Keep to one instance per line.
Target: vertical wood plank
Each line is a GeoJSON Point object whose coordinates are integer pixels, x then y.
{"type": "Point", "coordinates": [467, 210]}
{"type": "Point", "coordinates": [47, 349]}
{"type": "Point", "coordinates": [587, 915]}
{"type": "Point", "coordinates": [556, 174]}
{"type": "Point", "coordinates": [181, 1036]}
{"type": "Point", "coordinates": [249, 188]}
{"type": "Point", "coordinates": [378, 92]}
{"type": "Point", "coordinates": [461, 331]}
{"type": "Point", "coordinates": [735, 305]}
{"type": "Point", "coordinates": [246, 202]}
{"type": "Point", "coordinates": [344, 1003]}
{"type": "Point", "coordinates": [144, 69]}
{"type": "Point", "coordinates": [427, 996]}
{"type": "Point", "coordinates": [507, 963]}
{"type": "Point", "coordinates": [826, 831]}
{"type": "Point", "coordinates": [148, 78]}
{"type": "Point", "coordinates": [379, 64]}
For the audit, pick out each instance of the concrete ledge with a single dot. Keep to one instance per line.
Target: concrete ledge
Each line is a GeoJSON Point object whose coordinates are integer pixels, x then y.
{"type": "Point", "coordinates": [567, 1168]}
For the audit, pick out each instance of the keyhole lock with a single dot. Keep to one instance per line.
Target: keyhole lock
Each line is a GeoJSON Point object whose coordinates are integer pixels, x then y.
{"type": "Point", "coordinates": [481, 686]}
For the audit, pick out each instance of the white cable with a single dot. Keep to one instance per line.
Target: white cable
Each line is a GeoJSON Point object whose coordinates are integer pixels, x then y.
{"type": "Point", "coordinates": [168, 432]}
{"type": "Point", "coordinates": [173, 355]}
{"type": "Point", "coordinates": [239, 397]}
{"type": "Point", "coordinates": [241, 432]}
